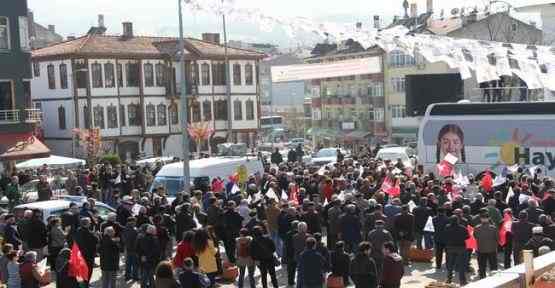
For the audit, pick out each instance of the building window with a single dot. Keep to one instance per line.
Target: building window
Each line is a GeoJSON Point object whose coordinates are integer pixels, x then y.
{"type": "Point", "coordinates": [398, 111]}
{"type": "Point", "coordinates": [249, 80]}
{"type": "Point", "coordinates": [150, 115]}
{"type": "Point", "coordinates": [162, 114]}
{"type": "Point", "coordinates": [132, 74]}
{"type": "Point", "coordinates": [51, 76]}
{"type": "Point", "coordinates": [160, 68]}
{"type": "Point", "coordinates": [237, 110]}
{"type": "Point", "coordinates": [250, 109]}
{"type": "Point", "coordinates": [400, 59]}
{"type": "Point", "coordinates": [63, 76]}
{"type": "Point", "coordinates": [149, 75]}
{"type": "Point", "coordinates": [119, 69]}
{"type": "Point", "coordinates": [122, 115]}
{"type": "Point", "coordinates": [80, 71]}
{"type": "Point", "coordinates": [62, 118]}
{"type": "Point", "coordinates": [98, 114]}
{"type": "Point", "coordinates": [218, 74]}
{"type": "Point", "coordinates": [398, 84]}
{"type": "Point", "coordinates": [133, 114]}
{"type": "Point", "coordinates": [24, 42]}
{"type": "Point", "coordinates": [220, 109]}
{"type": "Point", "coordinates": [36, 69]}
{"type": "Point", "coordinates": [112, 116]}
{"type": "Point", "coordinates": [87, 116]}
{"type": "Point", "coordinates": [205, 71]}
{"type": "Point", "coordinates": [174, 116]}
{"type": "Point", "coordinates": [195, 73]}
{"type": "Point", "coordinates": [96, 75]}
{"type": "Point", "coordinates": [195, 111]}
{"type": "Point", "coordinates": [237, 74]}
{"type": "Point", "coordinates": [207, 110]}
{"type": "Point", "coordinates": [376, 114]}
{"type": "Point", "coordinates": [4, 33]}
{"type": "Point", "coordinates": [375, 90]}
{"type": "Point", "coordinates": [109, 75]}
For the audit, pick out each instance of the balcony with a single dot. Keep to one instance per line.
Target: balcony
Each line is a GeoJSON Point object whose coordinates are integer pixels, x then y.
{"type": "Point", "coordinates": [15, 116]}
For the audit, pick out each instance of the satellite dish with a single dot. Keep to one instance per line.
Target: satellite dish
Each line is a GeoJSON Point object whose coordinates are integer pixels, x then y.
{"type": "Point", "coordinates": [454, 11]}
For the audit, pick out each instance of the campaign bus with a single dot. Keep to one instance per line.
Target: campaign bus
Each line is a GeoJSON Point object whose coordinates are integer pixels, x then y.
{"type": "Point", "coordinates": [494, 136]}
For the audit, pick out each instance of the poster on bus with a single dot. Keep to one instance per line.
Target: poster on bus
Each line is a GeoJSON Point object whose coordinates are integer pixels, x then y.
{"type": "Point", "coordinates": [494, 144]}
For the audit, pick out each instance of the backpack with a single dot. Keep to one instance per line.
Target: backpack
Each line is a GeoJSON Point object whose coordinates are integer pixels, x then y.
{"type": "Point", "coordinates": [244, 249]}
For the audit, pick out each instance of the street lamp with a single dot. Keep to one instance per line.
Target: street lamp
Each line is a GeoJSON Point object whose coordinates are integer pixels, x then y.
{"type": "Point", "coordinates": [183, 106]}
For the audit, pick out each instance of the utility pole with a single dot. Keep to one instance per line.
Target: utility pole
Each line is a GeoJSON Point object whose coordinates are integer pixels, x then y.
{"type": "Point", "coordinates": [183, 101]}
{"type": "Point", "coordinates": [228, 84]}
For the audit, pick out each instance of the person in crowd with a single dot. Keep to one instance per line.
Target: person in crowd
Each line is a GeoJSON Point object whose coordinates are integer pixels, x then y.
{"type": "Point", "coordinates": [44, 190]}
{"type": "Point", "coordinates": [148, 250]}
{"type": "Point", "coordinates": [404, 228]}
{"type": "Point", "coordinates": [262, 250]}
{"type": "Point", "coordinates": [393, 268]}
{"type": "Point", "coordinates": [377, 238]}
{"type": "Point", "coordinates": [487, 238]}
{"type": "Point", "coordinates": [56, 240]}
{"type": "Point", "coordinates": [333, 217]}
{"type": "Point", "coordinates": [245, 261]}
{"type": "Point", "coordinates": [312, 266]}
{"type": "Point", "coordinates": [129, 238]}
{"type": "Point", "coordinates": [184, 220]}
{"type": "Point", "coordinates": [363, 268]}
{"type": "Point", "coordinates": [522, 232]}
{"type": "Point", "coordinates": [12, 192]}
{"type": "Point", "coordinates": [350, 229]}
{"type": "Point", "coordinates": [6, 249]}
{"type": "Point", "coordinates": [455, 247]}
{"type": "Point", "coordinates": [192, 278]}
{"type": "Point", "coordinates": [276, 157]}
{"type": "Point", "coordinates": [421, 214]}
{"type": "Point", "coordinates": [87, 241]}
{"type": "Point", "coordinates": [440, 221]}
{"type": "Point", "coordinates": [63, 279]}
{"type": "Point", "coordinates": [289, 257]}
{"type": "Point", "coordinates": [184, 249]}
{"type": "Point", "coordinates": [205, 251]}
{"type": "Point", "coordinates": [29, 271]}
{"type": "Point", "coordinates": [13, 279]}
{"type": "Point", "coordinates": [109, 257]}
{"type": "Point", "coordinates": [232, 225]}
{"type": "Point", "coordinates": [272, 218]}
{"type": "Point", "coordinates": [11, 235]}
{"type": "Point", "coordinates": [339, 261]}
{"type": "Point", "coordinates": [164, 276]}
{"type": "Point", "coordinates": [539, 240]}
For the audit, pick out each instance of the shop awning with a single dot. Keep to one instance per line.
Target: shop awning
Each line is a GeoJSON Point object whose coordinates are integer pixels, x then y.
{"type": "Point", "coordinates": [21, 146]}
{"type": "Point", "coordinates": [357, 135]}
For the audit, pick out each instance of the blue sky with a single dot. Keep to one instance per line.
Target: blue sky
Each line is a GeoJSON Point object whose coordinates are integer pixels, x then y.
{"type": "Point", "coordinates": [74, 17]}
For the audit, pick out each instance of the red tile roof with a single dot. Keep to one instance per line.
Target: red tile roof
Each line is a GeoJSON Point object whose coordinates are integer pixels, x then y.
{"type": "Point", "coordinates": [138, 46]}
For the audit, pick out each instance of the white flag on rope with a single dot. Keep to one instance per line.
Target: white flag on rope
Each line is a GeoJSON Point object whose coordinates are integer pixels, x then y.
{"type": "Point", "coordinates": [429, 227]}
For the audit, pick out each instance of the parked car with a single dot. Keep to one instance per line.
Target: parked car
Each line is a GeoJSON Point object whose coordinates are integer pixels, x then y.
{"type": "Point", "coordinates": [326, 155]}
{"type": "Point", "coordinates": [58, 207]}
{"type": "Point", "coordinates": [406, 154]}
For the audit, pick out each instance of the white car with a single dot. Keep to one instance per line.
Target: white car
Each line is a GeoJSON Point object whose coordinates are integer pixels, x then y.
{"type": "Point", "coordinates": [58, 207]}
{"type": "Point", "coordinates": [326, 155]}
{"type": "Point", "coordinates": [394, 153]}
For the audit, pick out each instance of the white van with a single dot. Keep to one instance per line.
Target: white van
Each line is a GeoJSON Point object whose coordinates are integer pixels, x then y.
{"type": "Point", "coordinates": [171, 175]}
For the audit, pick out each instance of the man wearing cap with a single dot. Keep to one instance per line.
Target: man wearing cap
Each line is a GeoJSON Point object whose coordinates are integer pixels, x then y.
{"type": "Point", "coordinates": [538, 240]}
{"type": "Point", "coordinates": [487, 237]}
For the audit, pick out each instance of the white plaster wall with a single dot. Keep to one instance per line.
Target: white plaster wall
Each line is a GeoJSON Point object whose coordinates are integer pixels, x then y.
{"type": "Point", "coordinates": [39, 85]}
{"type": "Point", "coordinates": [60, 147]}
{"type": "Point", "coordinates": [50, 120]}
{"type": "Point", "coordinates": [173, 146]}
{"type": "Point", "coordinates": [156, 129]}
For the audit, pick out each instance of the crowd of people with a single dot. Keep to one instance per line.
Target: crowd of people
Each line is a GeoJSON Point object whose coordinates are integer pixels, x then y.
{"type": "Point", "coordinates": [335, 225]}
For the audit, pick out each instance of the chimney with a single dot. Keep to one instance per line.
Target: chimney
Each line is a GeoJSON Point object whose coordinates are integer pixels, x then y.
{"type": "Point", "coordinates": [101, 21]}
{"type": "Point", "coordinates": [430, 6]}
{"type": "Point", "coordinates": [127, 29]}
{"type": "Point", "coordinates": [69, 38]}
{"type": "Point", "coordinates": [377, 22]}
{"type": "Point", "coordinates": [359, 26]}
{"type": "Point", "coordinates": [31, 20]}
{"type": "Point", "coordinates": [413, 10]}
{"type": "Point", "coordinates": [52, 28]}
{"type": "Point", "coordinates": [211, 37]}
{"type": "Point", "coordinates": [396, 19]}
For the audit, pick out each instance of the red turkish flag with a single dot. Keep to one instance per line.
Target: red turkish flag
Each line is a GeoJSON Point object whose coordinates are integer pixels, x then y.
{"type": "Point", "coordinates": [445, 168]}
{"type": "Point", "coordinates": [471, 242]}
{"type": "Point", "coordinates": [505, 227]}
{"type": "Point", "coordinates": [487, 182]}
{"type": "Point", "coordinates": [391, 187]}
{"type": "Point", "coordinates": [77, 266]}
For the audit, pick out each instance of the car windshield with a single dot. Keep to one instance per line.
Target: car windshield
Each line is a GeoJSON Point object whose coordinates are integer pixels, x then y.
{"type": "Point", "coordinates": [30, 186]}
{"type": "Point", "coordinates": [393, 156]}
{"type": "Point", "coordinates": [171, 185]}
{"type": "Point", "coordinates": [326, 153]}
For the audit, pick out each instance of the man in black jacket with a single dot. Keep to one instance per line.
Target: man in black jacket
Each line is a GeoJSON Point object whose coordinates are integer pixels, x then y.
{"type": "Point", "coordinates": [36, 234]}
{"type": "Point", "coordinates": [87, 241]}
{"type": "Point", "coordinates": [404, 228]}
{"type": "Point", "coordinates": [440, 221]}
{"type": "Point", "coordinates": [455, 236]}
{"type": "Point", "coordinates": [522, 232]}
{"type": "Point", "coordinates": [232, 224]}
{"type": "Point", "coordinates": [184, 221]}
{"type": "Point", "coordinates": [10, 232]}
{"type": "Point", "coordinates": [311, 265]}
{"type": "Point", "coordinates": [109, 257]}
{"type": "Point", "coordinates": [148, 249]}
{"type": "Point", "coordinates": [129, 240]}
{"type": "Point", "coordinates": [421, 214]}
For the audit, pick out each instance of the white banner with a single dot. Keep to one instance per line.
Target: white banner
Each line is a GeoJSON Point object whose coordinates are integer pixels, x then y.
{"type": "Point", "coordinates": [288, 73]}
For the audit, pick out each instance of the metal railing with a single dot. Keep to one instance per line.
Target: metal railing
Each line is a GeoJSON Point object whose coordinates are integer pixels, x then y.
{"type": "Point", "coordinates": [9, 116]}
{"type": "Point", "coordinates": [33, 115]}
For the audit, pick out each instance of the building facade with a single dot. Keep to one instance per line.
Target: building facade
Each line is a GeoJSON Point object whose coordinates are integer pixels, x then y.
{"type": "Point", "coordinates": [348, 110]}
{"type": "Point", "coordinates": [17, 119]}
{"type": "Point", "coordinates": [128, 87]}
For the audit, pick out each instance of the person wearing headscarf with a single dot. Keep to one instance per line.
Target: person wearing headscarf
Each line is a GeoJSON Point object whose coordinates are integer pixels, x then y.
{"type": "Point", "coordinates": [63, 280]}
